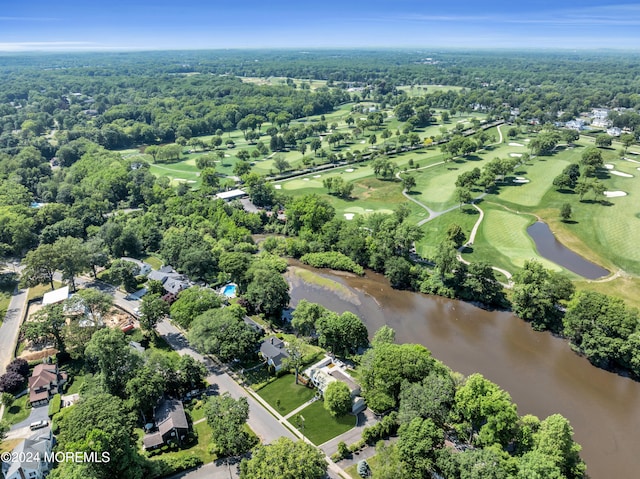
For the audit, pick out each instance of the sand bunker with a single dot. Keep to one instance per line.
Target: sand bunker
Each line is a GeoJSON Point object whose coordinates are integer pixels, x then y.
{"type": "Point", "coordinates": [516, 144]}
{"type": "Point", "coordinates": [277, 187]}
{"type": "Point", "coordinates": [614, 194]}
{"type": "Point", "coordinates": [515, 155]}
{"type": "Point", "coordinates": [305, 179]}
{"type": "Point", "coordinates": [527, 140]}
{"type": "Point", "coordinates": [608, 166]}
{"type": "Point", "coordinates": [349, 170]}
{"type": "Point", "coordinates": [632, 161]}
{"type": "Point", "coordinates": [620, 173]}
{"type": "Point", "coordinates": [368, 210]}
{"type": "Point", "coordinates": [634, 153]}
{"type": "Point", "coordinates": [521, 179]}
{"type": "Point", "coordinates": [349, 216]}
{"type": "Point", "coordinates": [317, 176]}
{"type": "Point", "coordinates": [362, 142]}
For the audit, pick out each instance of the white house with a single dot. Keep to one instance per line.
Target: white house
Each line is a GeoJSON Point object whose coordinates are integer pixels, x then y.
{"type": "Point", "coordinates": [25, 467]}
{"type": "Point", "coordinates": [327, 371]}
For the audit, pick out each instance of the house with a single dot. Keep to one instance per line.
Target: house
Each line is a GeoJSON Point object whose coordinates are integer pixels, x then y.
{"type": "Point", "coordinates": [172, 281]}
{"type": "Point", "coordinates": [614, 131]}
{"type": "Point", "coordinates": [329, 370]}
{"type": "Point", "coordinates": [45, 382]}
{"type": "Point", "coordinates": [273, 350]}
{"type": "Point", "coordinates": [31, 461]}
{"type": "Point", "coordinates": [143, 268]}
{"type": "Point", "coordinates": [577, 125]}
{"type": "Point", "coordinates": [171, 422]}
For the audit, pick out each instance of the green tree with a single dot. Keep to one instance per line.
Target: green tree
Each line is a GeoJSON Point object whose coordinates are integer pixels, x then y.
{"type": "Point", "coordinates": [598, 326]}
{"type": "Point", "coordinates": [431, 398]}
{"type": "Point", "coordinates": [152, 310]}
{"type": "Point", "coordinates": [110, 354]}
{"type": "Point", "coordinates": [268, 293]}
{"type": "Point", "coordinates": [417, 444]}
{"type": "Point", "coordinates": [565, 211]}
{"type": "Point", "coordinates": [456, 235]}
{"type": "Point", "coordinates": [286, 459]}
{"type": "Point", "coordinates": [310, 212]}
{"type": "Point", "coordinates": [223, 332]}
{"type": "Point", "coordinates": [384, 335]}
{"type": "Point", "coordinates": [483, 413]}
{"type": "Point", "coordinates": [408, 182]}
{"type": "Point", "coordinates": [97, 303]}
{"type": "Point", "coordinates": [192, 302]}
{"type": "Point", "coordinates": [281, 164]}
{"type": "Point", "coordinates": [385, 366]}
{"type": "Point", "coordinates": [462, 195]}
{"type": "Point", "coordinates": [144, 390]}
{"type": "Point", "coordinates": [47, 324]}
{"type": "Point", "coordinates": [123, 273]}
{"type": "Point", "coordinates": [337, 398]}
{"type": "Point", "coordinates": [592, 156]}
{"type": "Point", "coordinates": [536, 292]}
{"type": "Point", "coordinates": [40, 265]}
{"type": "Point", "coordinates": [295, 350]}
{"type": "Point", "coordinates": [343, 334]}
{"type": "Point", "coordinates": [7, 400]}
{"type": "Point", "coordinates": [554, 439]}
{"type": "Point", "coordinates": [603, 140]}
{"type": "Point", "coordinates": [226, 417]}
{"type": "Point", "coordinates": [305, 316]}
{"type": "Point", "coordinates": [105, 422]}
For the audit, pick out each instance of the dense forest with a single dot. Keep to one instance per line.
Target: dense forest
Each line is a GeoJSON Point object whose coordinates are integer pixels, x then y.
{"type": "Point", "coordinates": [70, 203]}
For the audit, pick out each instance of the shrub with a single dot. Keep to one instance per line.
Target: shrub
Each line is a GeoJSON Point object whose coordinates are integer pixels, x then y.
{"type": "Point", "coordinates": [20, 366]}
{"type": "Point", "coordinates": [388, 426]}
{"type": "Point", "coordinates": [11, 382]}
{"type": "Point", "coordinates": [54, 405]}
{"type": "Point", "coordinates": [333, 260]}
{"type": "Point", "coordinates": [343, 449]}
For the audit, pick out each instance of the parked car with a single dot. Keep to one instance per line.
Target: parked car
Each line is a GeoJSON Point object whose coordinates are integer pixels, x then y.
{"type": "Point", "coordinates": [38, 424]}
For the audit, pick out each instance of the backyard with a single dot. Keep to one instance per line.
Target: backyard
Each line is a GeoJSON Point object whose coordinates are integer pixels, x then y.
{"type": "Point", "coordinates": [284, 395]}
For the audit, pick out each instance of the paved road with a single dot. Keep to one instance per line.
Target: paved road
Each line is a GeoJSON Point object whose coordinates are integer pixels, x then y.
{"type": "Point", "coordinates": [260, 420]}
{"type": "Point", "coordinates": [213, 470]}
{"type": "Point", "coordinates": [11, 327]}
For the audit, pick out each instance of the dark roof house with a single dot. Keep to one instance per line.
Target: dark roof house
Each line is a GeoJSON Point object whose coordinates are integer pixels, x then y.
{"type": "Point", "coordinates": [273, 350]}
{"type": "Point", "coordinates": [172, 281]}
{"type": "Point", "coordinates": [171, 422]}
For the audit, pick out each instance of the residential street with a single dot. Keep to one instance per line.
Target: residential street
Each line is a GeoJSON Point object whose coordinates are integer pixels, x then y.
{"type": "Point", "coordinates": [260, 420]}
{"type": "Point", "coordinates": [11, 327]}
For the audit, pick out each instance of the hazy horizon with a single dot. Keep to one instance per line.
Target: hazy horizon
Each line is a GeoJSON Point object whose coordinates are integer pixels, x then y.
{"type": "Point", "coordinates": [143, 25]}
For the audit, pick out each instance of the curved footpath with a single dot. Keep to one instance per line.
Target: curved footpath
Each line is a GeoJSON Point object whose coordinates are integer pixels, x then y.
{"type": "Point", "coordinates": [434, 214]}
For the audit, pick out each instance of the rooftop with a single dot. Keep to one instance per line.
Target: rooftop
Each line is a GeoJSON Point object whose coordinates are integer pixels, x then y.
{"type": "Point", "coordinates": [56, 296]}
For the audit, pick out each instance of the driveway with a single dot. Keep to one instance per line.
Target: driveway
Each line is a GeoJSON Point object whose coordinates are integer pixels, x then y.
{"type": "Point", "coordinates": [213, 470]}
{"type": "Point", "coordinates": [21, 430]}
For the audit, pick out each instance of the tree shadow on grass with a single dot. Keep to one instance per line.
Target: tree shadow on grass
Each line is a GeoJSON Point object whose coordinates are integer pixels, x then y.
{"type": "Point", "coordinates": [569, 222]}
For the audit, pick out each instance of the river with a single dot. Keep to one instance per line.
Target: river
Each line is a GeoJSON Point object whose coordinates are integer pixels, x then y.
{"type": "Point", "coordinates": [539, 370]}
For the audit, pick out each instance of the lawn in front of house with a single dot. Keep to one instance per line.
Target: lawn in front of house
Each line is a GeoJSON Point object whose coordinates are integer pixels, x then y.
{"type": "Point", "coordinates": [319, 426]}
{"type": "Point", "coordinates": [284, 395]}
{"type": "Point", "coordinates": [19, 410]}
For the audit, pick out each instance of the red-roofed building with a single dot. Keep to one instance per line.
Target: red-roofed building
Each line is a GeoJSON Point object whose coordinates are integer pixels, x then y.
{"type": "Point", "coordinates": [45, 382]}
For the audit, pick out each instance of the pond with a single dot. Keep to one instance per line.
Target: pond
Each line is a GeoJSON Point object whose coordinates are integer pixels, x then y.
{"type": "Point", "coordinates": [550, 248]}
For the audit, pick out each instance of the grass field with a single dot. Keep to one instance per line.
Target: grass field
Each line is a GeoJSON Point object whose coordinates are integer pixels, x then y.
{"type": "Point", "coordinates": [284, 395]}
{"type": "Point", "coordinates": [435, 231]}
{"type": "Point", "coordinates": [19, 411]}
{"type": "Point", "coordinates": [502, 240]}
{"type": "Point", "coordinates": [319, 425]}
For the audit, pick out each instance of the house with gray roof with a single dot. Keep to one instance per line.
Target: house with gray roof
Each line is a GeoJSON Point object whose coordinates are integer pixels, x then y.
{"type": "Point", "coordinates": [273, 350]}
{"type": "Point", "coordinates": [26, 466]}
{"type": "Point", "coordinates": [171, 423]}
{"type": "Point", "coordinates": [172, 281]}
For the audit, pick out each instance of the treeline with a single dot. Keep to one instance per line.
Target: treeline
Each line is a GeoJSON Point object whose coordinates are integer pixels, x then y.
{"type": "Point", "coordinates": [600, 327]}
{"type": "Point", "coordinates": [451, 425]}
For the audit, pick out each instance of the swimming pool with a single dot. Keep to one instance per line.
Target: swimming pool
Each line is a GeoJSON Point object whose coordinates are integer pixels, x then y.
{"type": "Point", "coordinates": [229, 291]}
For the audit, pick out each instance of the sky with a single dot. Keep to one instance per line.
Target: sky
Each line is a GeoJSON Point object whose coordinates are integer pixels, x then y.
{"type": "Point", "coordinates": [98, 25]}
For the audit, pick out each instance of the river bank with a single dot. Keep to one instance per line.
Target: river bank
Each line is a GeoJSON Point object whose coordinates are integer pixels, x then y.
{"type": "Point", "coordinates": [540, 371]}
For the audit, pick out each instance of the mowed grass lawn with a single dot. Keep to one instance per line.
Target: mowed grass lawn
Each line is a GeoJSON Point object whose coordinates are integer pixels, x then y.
{"type": "Point", "coordinates": [284, 395]}
{"type": "Point", "coordinates": [319, 425]}
{"type": "Point", "coordinates": [435, 231]}
{"type": "Point", "coordinates": [502, 240]}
